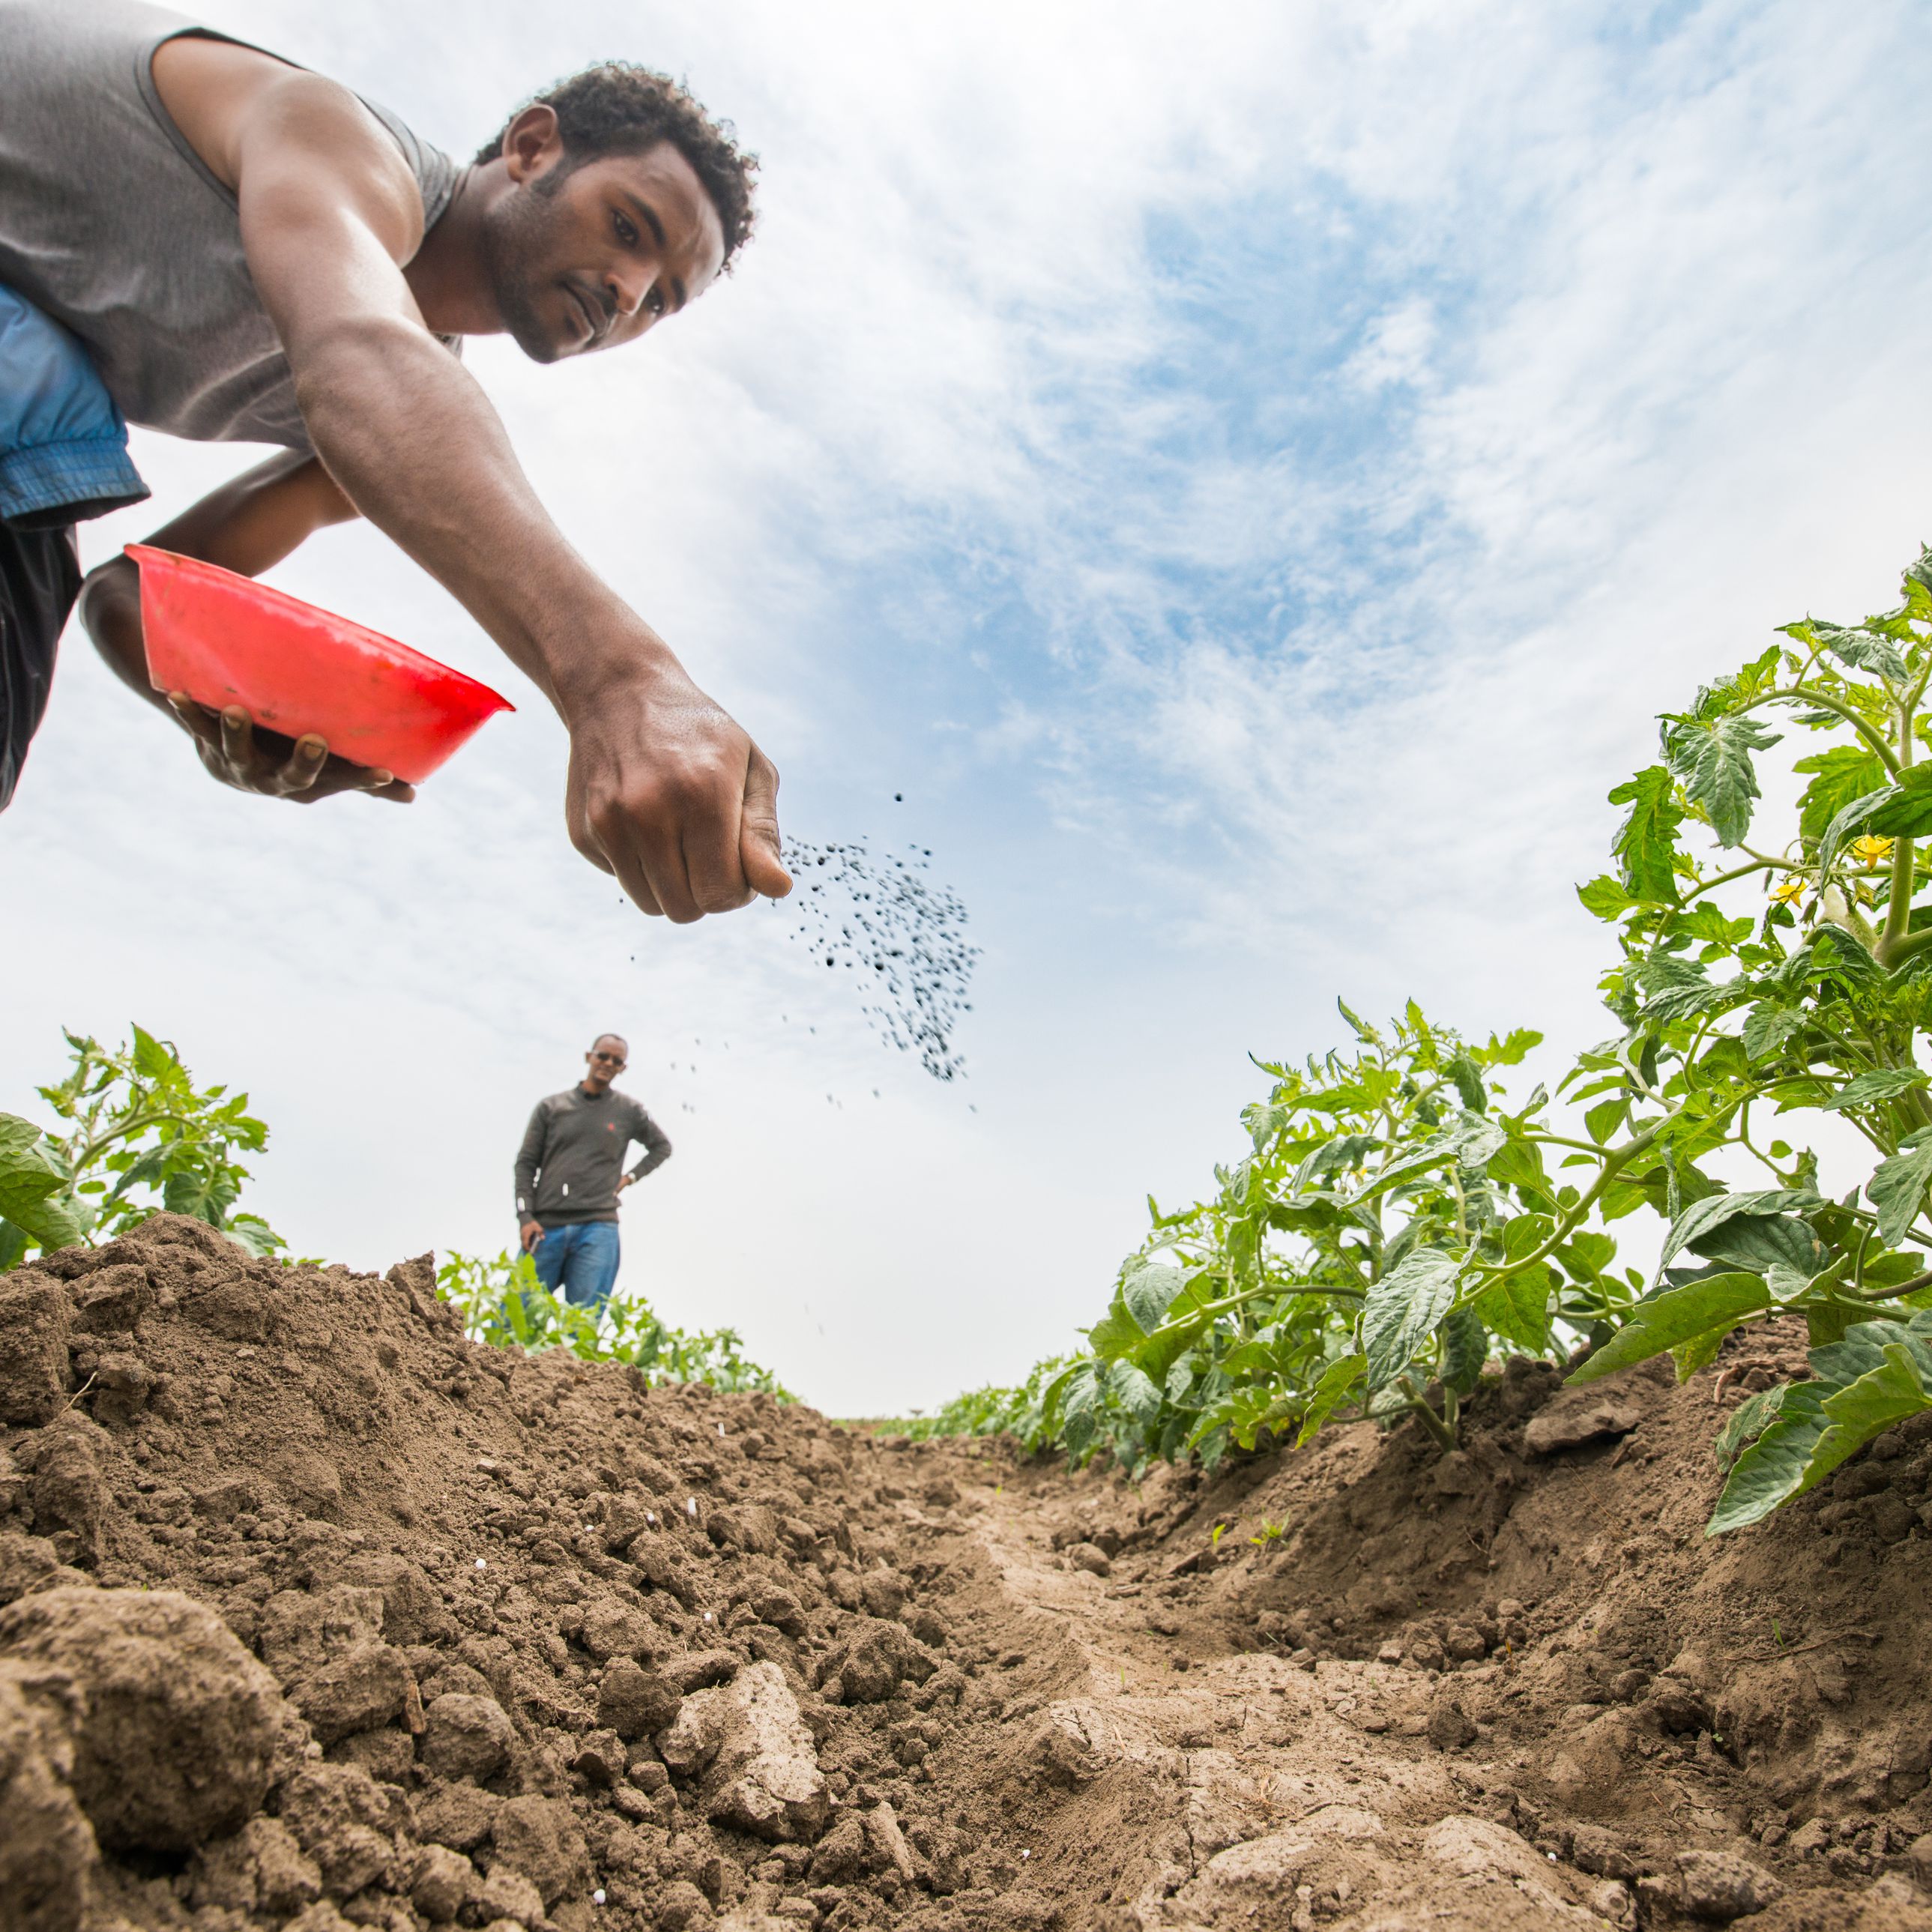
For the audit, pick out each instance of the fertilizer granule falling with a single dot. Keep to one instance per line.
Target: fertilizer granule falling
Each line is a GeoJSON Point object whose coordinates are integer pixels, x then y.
{"type": "Point", "coordinates": [878, 916]}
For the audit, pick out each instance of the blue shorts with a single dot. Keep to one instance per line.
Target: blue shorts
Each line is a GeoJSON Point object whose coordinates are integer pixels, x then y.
{"type": "Point", "coordinates": [63, 458]}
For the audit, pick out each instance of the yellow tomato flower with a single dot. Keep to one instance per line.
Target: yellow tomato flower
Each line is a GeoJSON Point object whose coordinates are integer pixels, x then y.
{"type": "Point", "coordinates": [1790, 892]}
{"type": "Point", "coordinates": [1871, 851]}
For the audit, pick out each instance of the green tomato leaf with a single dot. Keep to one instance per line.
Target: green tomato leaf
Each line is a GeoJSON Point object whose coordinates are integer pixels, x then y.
{"type": "Point", "coordinates": [1517, 1308]}
{"type": "Point", "coordinates": [1862, 650]}
{"type": "Point", "coordinates": [1117, 1334]}
{"type": "Point", "coordinates": [1607, 898]}
{"type": "Point", "coordinates": [1510, 1050]}
{"type": "Point", "coordinates": [1135, 1391]}
{"type": "Point", "coordinates": [1839, 776]}
{"type": "Point", "coordinates": [1519, 1164]}
{"type": "Point", "coordinates": [1771, 1469]}
{"type": "Point", "coordinates": [26, 1173]}
{"type": "Point", "coordinates": [1712, 756]}
{"type": "Point", "coordinates": [1749, 1421]}
{"type": "Point", "coordinates": [1678, 1315]}
{"type": "Point", "coordinates": [1896, 1189]}
{"type": "Point", "coordinates": [1645, 843]}
{"type": "Point", "coordinates": [1147, 1291]}
{"type": "Point", "coordinates": [1343, 1154]}
{"type": "Point", "coordinates": [1769, 1028]}
{"type": "Point", "coordinates": [1469, 1139]}
{"type": "Point", "coordinates": [1403, 1310]}
{"type": "Point", "coordinates": [1465, 1347]}
{"type": "Point", "coordinates": [28, 1180]}
{"type": "Point", "coordinates": [1880, 1374]}
{"type": "Point", "coordinates": [1903, 809]}
{"type": "Point", "coordinates": [1461, 1069]}
{"type": "Point", "coordinates": [1697, 1353]}
{"type": "Point", "coordinates": [1364, 1031]}
{"type": "Point", "coordinates": [1882, 1083]}
{"type": "Point", "coordinates": [1337, 1380]}
{"type": "Point", "coordinates": [1703, 1217]}
{"type": "Point", "coordinates": [1586, 1254]}
{"type": "Point", "coordinates": [1765, 1244]}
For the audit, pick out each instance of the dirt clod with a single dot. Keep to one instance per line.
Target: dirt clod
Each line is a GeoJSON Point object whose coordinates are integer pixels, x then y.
{"type": "Point", "coordinates": [35, 1319]}
{"type": "Point", "coordinates": [1719, 1886]}
{"type": "Point", "coordinates": [178, 1724]}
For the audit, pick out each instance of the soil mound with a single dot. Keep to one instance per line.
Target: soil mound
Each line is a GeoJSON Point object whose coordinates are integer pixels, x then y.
{"type": "Point", "coordinates": [314, 1614]}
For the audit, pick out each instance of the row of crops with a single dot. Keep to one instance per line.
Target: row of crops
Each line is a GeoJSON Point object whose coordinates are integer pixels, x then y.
{"type": "Point", "coordinates": [1398, 1222]}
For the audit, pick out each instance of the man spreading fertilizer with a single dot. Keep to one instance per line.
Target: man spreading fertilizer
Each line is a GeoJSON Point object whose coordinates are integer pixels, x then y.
{"type": "Point", "coordinates": [246, 251]}
{"type": "Point", "coordinates": [570, 1172]}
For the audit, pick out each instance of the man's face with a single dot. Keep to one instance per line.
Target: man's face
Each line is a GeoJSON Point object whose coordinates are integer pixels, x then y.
{"type": "Point", "coordinates": [605, 1061]}
{"type": "Point", "coordinates": [585, 257]}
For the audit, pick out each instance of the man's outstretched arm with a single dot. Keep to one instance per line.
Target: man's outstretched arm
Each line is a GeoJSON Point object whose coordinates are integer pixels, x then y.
{"type": "Point", "coordinates": [665, 790]}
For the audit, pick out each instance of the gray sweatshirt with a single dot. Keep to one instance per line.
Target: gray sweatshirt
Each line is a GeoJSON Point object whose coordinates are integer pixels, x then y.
{"type": "Point", "coordinates": [573, 1152]}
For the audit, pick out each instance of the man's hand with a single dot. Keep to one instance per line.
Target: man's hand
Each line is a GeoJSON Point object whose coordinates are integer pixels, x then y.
{"type": "Point", "coordinates": [667, 792]}
{"type": "Point", "coordinates": [235, 751]}
{"type": "Point", "coordinates": [531, 1233]}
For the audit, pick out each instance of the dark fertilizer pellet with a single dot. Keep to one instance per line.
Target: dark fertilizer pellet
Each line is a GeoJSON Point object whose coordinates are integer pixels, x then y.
{"type": "Point", "coordinates": [877, 917]}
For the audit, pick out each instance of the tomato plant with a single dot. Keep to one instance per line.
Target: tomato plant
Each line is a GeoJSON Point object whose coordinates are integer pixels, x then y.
{"type": "Point", "coordinates": [1020, 1412]}
{"type": "Point", "coordinates": [1397, 1223]}
{"type": "Point", "coordinates": [503, 1303]}
{"type": "Point", "coordinates": [136, 1135]}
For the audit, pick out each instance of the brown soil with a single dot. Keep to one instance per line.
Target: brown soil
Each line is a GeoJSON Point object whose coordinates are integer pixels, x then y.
{"type": "Point", "coordinates": [314, 1613]}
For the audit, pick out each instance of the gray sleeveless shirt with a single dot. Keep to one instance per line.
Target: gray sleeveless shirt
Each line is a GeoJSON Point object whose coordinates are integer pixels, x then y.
{"type": "Point", "coordinates": [110, 223]}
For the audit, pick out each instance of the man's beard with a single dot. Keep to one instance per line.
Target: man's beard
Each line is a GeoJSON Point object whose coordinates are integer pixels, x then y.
{"type": "Point", "coordinates": [513, 233]}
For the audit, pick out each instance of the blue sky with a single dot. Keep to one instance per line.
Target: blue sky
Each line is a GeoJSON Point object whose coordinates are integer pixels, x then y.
{"type": "Point", "coordinates": [1249, 480]}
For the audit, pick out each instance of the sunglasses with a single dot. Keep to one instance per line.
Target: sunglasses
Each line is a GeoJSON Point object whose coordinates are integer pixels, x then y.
{"type": "Point", "coordinates": [615, 1059]}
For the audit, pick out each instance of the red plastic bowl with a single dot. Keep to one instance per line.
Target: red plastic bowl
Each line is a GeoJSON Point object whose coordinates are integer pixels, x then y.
{"type": "Point", "coordinates": [226, 639]}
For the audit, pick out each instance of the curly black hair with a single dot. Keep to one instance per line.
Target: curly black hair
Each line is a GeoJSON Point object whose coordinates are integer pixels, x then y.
{"type": "Point", "coordinates": [618, 108]}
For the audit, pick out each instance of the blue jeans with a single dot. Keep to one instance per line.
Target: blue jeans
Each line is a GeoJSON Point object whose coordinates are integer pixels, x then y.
{"type": "Point", "coordinates": [579, 1261]}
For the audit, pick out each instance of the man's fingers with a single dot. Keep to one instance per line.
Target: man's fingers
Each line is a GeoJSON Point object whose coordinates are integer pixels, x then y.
{"type": "Point", "coordinates": [304, 763]}
{"type": "Point", "coordinates": [657, 886]}
{"type": "Point", "coordinates": [599, 836]}
{"type": "Point", "coordinates": [708, 847]}
{"type": "Point", "coordinates": [760, 846]}
{"type": "Point", "coordinates": [196, 719]}
{"type": "Point", "coordinates": [380, 784]}
{"type": "Point", "coordinates": [238, 737]}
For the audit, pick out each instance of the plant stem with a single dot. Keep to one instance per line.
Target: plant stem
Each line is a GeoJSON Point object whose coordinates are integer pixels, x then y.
{"type": "Point", "coordinates": [1805, 694]}
{"type": "Point", "coordinates": [1898, 906]}
{"type": "Point", "coordinates": [1444, 1432]}
{"type": "Point", "coordinates": [1615, 1161]}
{"type": "Point", "coordinates": [1893, 953]}
{"type": "Point", "coordinates": [1756, 865]}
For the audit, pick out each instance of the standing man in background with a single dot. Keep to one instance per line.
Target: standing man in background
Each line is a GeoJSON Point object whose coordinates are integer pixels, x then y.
{"type": "Point", "coordinates": [570, 1173]}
